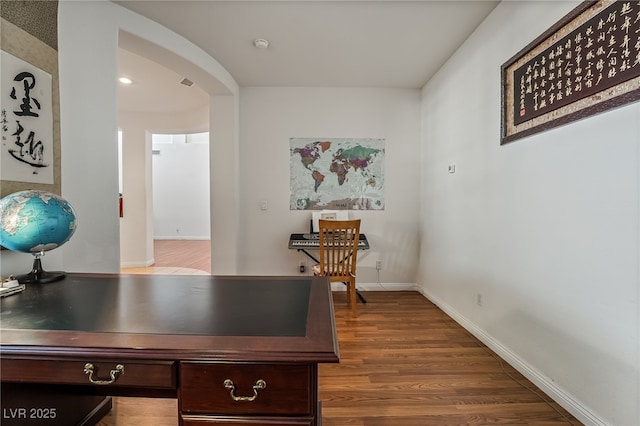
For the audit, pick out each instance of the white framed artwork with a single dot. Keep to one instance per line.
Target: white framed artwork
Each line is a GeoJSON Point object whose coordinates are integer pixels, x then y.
{"type": "Point", "coordinates": [26, 121]}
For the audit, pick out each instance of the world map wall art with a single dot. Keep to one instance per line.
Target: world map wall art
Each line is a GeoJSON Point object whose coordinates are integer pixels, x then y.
{"type": "Point", "coordinates": [337, 174]}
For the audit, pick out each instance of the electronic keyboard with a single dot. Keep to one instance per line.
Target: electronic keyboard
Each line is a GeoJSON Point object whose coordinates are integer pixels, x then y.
{"type": "Point", "coordinates": [312, 241]}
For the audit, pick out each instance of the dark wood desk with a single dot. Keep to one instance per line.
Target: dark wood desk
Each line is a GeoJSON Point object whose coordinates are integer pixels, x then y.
{"type": "Point", "coordinates": [233, 350]}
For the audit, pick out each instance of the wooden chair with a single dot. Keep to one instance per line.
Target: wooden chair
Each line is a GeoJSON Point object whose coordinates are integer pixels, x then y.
{"type": "Point", "coordinates": [339, 253]}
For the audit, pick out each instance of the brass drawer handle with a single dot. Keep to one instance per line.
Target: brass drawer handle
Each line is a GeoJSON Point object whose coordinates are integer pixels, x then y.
{"type": "Point", "coordinates": [89, 368]}
{"type": "Point", "coordinates": [260, 384]}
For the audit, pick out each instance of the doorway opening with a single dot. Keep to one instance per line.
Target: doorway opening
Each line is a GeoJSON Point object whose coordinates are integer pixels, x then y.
{"type": "Point", "coordinates": [157, 101]}
{"type": "Point", "coordinates": [181, 200]}
{"type": "Point", "coordinates": [164, 166]}
{"type": "Point", "coordinates": [179, 205]}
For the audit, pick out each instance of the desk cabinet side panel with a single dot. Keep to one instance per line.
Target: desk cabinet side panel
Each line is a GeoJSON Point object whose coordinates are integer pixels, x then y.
{"type": "Point", "coordinates": [44, 405]}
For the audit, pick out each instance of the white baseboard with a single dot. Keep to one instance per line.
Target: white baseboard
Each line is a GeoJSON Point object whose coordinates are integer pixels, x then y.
{"type": "Point", "coordinates": [377, 287]}
{"type": "Point", "coordinates": [566, 400]}
{"type": "Point", "coordinates": [181, 237]}
{"type": "Point", "coordinates": [140, 264]}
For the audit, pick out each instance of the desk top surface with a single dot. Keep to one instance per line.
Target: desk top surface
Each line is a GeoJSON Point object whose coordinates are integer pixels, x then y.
{"type": "Point", "coordinates": [166, 304]}
{"type": "Point", "coordinates": [168, 312]}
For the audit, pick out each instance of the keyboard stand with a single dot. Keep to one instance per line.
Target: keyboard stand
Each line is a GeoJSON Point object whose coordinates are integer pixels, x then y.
{"type": "Point", "coordinates": [295, 237]}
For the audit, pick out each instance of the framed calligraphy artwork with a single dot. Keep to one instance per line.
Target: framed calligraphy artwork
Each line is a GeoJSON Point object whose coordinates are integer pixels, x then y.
{"type": "Point", "coordinates": [587, 63]}
{"type": "Point", "coordinates": [26, 122]}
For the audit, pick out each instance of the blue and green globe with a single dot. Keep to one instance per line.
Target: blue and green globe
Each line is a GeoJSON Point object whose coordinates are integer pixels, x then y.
{"type": "Point", "coordinates": [35, 221]}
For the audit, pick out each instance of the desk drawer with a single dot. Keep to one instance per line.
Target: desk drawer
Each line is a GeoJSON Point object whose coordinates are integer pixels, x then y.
{"type": "Point", "coordinates": [246, 421]}
{"type": "Point", "coordinates": [156, 374]}
{"type": "Point", "coordinates": [255, 389]}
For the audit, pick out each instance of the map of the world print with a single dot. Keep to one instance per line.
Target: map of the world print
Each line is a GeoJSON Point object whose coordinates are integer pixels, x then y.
{"type": "Point", "coordinates": [337, 174]}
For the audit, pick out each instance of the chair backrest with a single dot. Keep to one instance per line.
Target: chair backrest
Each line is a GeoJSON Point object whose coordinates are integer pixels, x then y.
{"type": "Point", "coordinates": [339, 247]}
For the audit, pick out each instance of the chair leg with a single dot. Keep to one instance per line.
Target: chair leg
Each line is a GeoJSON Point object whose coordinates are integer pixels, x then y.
{"type": "Point", "coordinates": [351, 294]}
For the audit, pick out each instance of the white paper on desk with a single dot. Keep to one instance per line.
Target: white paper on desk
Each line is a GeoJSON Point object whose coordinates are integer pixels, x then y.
{"type": "Point", "coordinates": [327, 214]}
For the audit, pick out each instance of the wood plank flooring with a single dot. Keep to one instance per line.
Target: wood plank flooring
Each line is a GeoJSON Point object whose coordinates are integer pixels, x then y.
{"type": "Point", "coordinates": [182, 257]}
{"type": "Point", "coordinates": [404, 362]}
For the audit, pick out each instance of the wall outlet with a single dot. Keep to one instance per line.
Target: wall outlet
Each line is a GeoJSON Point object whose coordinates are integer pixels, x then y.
{"type": "Point", "coordinates": [479, 299]}
{"type": "Point", "coordinates": [302, 267]}
{"type": "Point", "coordinates": [378, 264]}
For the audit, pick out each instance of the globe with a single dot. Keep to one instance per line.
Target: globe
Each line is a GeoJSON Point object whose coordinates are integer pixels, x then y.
{"type": "Point", "coordinates": [34, 222]}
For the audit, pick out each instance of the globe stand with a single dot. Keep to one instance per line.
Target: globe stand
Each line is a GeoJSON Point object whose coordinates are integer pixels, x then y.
{"type": "Point", "coordinates": [39, 275]}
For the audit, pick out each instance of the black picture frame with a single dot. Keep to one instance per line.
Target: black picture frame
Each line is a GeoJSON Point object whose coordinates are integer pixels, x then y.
{"type": "Point", "coordinates": [593, 54]}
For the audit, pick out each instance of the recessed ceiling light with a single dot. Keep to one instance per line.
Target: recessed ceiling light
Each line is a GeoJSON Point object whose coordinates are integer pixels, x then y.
{"type": "Point", "coordinates": [125, 80]}
{"type": "Point", "coordinates": [261, 43]}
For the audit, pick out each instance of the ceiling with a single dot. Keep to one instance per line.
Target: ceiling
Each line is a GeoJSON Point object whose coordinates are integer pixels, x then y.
{"type": "Point", "coordinates": [388, 44]}
{"type": "Point", "coordinates": [154, 88]}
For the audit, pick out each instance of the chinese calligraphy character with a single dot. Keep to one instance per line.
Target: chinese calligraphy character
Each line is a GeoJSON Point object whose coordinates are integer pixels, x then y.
{"type": "Point", "coordinates": [29, 82]}
{"type": "Point", "coordinates": [30, 152]}
{"type": "Point", "coordinates": [27, 150]}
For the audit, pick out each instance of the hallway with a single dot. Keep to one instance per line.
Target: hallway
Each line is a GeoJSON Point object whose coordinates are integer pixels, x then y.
{"type": "Point", "coordinates": [182, 257]}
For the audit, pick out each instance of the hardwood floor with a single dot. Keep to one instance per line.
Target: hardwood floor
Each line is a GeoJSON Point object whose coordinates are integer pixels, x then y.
{"type": "Point", "coordinates": [403, 363]}
{"type": "Point", "coordinates": [184, 257]}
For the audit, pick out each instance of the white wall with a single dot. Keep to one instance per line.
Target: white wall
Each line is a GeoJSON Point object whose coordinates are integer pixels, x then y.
{"type": "Point", "coordinates": [88, 42]}
{"type": "Point", "coordinates": [136, 224]}
{"type": "Point", "coordinates": [181, 186]}
{"type": "Point", "coordinates": [225, 184]}
{"type": "Point", "coordinates": [546, 228]}
{"type": "Point", "coordinates": [270, 116]}
{"type": "Point", "coordinates": [89, 133]}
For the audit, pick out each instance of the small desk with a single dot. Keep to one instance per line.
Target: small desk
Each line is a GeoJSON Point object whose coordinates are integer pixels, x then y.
{"type": "Point", "coordinates": [232, 350]}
